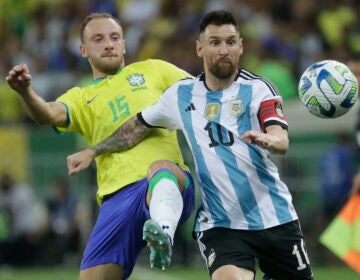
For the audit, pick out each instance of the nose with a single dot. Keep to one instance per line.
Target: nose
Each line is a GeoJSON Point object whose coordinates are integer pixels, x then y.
{"type": "Point", "coordinates": [224, 49]}
{"type": "Point", "coordinates": [109, 45]}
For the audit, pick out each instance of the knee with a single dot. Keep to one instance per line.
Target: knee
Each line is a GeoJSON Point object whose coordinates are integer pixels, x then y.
{"type": "Point", "coordinates": [159, 164]}
{"type": "Point", "coordinates": [172, 167]}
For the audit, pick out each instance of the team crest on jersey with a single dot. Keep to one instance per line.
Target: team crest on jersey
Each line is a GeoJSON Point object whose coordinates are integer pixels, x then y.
{"type": "Point", "coordinates": [136, 80]}
{"type": "Point", "coordinates": [236, 107]}
{"type": "Point", "coordinates": [212, 110]}
{"type": "Point", "coordinates": [279, 110]}
{"type": "Point", "coordinates": [211, 257]}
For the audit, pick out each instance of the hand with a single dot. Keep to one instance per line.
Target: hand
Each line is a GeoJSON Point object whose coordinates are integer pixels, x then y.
{"type": "Point", "coordinates": [19, 79]}
{"type": "Point", "coordinates": [79, 161]}
{"type": "Point", "coordinates": [275, 140]}
{"type": "Point", "coordinates": [255, 137]}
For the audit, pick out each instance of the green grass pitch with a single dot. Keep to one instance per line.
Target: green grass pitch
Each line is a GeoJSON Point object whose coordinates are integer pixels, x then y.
{"type": "Point", "coordinates": [145, 273]}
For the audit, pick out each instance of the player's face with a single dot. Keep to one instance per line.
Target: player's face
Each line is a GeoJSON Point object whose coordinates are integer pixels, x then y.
{"type": "Point", "coordinates": [220, 47]}
{"type": "Point", "coordinates": [104, 46]}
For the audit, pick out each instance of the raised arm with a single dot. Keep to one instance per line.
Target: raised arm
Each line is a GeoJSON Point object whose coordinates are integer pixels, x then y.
{"type": "Point", "coordinates": [275, 139]}
{"type": "Point", "coordinates": [124, 138]}
{"type": "Point", "coordinates": [42, 112]}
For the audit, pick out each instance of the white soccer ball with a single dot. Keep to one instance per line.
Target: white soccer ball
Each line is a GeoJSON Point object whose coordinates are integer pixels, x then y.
{"type": "Point", "coordinates": [328, 89]}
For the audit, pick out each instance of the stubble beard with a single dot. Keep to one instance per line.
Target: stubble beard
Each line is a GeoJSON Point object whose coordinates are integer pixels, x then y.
{"type": "Point", "coordinates": [108, 68]}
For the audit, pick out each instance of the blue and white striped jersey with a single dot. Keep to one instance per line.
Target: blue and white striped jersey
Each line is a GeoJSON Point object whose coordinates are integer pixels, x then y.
{"type": "Point", "coordinates": [239, 185]}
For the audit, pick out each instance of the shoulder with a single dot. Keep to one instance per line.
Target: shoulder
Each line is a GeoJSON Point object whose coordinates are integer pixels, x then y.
{"type": "Point", "coordinates": [155, 67]}
{"type": "Point", "coordinates": [257, 81]}
{"type": "Point", "coordinates": [187, 81]}
{"type": "Point", "coordinates": [150, 63]}
{"type": "Point", "coordinates": [75, 91]}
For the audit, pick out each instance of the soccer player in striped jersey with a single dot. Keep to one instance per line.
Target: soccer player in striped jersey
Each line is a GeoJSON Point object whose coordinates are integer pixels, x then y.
{"type": "Point", "coordinates": [144, 192]}
{"type": "Point", "coordinates": [232, 120]}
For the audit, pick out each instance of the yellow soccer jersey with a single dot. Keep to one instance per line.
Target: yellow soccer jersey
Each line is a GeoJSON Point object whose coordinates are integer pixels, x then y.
{"type": "Point", "coordinates": [98, 109]}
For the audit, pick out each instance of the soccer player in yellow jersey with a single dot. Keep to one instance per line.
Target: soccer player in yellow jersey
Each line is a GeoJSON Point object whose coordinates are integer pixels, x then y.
{"type": "Point", "coordinates": [143, 193]}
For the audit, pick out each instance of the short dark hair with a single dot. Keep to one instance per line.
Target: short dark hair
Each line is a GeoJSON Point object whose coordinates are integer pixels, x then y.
{"type": "Point", "coordinates": [217, 17]}
{"type": "Point", "coordinates": [95, 16]}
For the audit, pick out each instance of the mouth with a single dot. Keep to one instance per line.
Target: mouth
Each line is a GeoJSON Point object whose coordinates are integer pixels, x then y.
{"type": "Point", "coordinates": [109, 55]}
{"type": "Point", "coordinates": [224, 60]}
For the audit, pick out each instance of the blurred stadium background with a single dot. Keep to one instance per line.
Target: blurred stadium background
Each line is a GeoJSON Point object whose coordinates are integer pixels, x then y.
{"type": "Point", "coordinates": [281, 38]}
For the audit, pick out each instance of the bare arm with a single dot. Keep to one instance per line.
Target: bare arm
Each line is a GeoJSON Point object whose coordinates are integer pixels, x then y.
{"type": "Point", "coordinates": [124, 138]}
{"type": "Point", "coordinates": [275, 139]}
{"type": "Point", "coordinates": [52, 113]}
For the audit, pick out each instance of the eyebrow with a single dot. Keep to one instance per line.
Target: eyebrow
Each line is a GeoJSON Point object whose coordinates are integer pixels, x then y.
{"type": "Point", "coordinates": [220, 37]}
{"type": "Point", "coordinates": [104, 34]}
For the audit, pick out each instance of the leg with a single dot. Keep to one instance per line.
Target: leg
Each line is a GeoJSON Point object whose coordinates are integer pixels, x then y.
{"type": "Point", "coordinates": [166, 182]}
{"type": "Point", "coordinates": [226, 254]}
{"type": "Point", "coordinates": [109, 271]}
{"type": "Point", "coordinates": [171, 166]}
{"type": "Point", "coordinates": [285, 256]}
{"type": "Point", "coordinates": [232, 272]}
{"type": "Point", "coordinates": [116, 240]}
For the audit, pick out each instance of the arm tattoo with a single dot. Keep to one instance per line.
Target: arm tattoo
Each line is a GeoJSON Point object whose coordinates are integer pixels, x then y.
{"type": "Point", "coordinates": [124, 138]}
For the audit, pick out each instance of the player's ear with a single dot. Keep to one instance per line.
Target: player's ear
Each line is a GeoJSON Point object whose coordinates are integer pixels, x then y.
{"type": "Point", "coordinates": [83, 50]}
{"type": "Point", "coordinates": [199, 48]}
{"type": "Point", "coordinates": [241, 46]}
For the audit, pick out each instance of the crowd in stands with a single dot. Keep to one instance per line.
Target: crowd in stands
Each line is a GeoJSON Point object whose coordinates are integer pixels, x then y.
{"type": "Point", "coordinates": [281, 38]}
{"type": "Point", "coordinates": [49, 230]}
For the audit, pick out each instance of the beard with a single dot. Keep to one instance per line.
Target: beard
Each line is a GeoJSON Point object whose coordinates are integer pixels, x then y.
{"type": "Point", "coordinates": [222, 69]}
{"type": "Point", "coordinates": [109, 67]}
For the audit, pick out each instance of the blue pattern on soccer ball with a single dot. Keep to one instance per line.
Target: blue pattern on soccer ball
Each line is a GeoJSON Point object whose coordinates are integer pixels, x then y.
{"type": "Point", "coordinates": [324, 75]}
{"type": "Point", "coordinates": [306, 85]}
{"type": "Point", "coordinates": [348, 102]}
{"type": "Point", "coordinates": [317, 65]}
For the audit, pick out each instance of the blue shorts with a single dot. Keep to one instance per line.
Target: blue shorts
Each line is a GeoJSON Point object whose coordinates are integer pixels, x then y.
{"type": "Point", "coordinates": [117, 234]}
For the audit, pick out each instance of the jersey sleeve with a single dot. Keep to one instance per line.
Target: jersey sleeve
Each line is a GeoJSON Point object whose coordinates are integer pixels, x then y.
{"type": "Point", "coordinates": [270, 107]}
{"type": "Point", "coordinates": [72, 103]}
{"type": "Point", "coordinates": [163, 113]}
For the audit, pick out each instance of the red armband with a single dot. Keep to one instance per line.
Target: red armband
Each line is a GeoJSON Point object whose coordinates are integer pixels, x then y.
{"type": "Point", "coordinates": [270, 113]}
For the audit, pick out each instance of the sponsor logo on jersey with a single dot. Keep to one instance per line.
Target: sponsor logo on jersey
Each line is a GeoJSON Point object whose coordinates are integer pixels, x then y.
{"type": "Point", "coordinates": [92, 99]}
{"type": "Point", "coordinates": [136, 80]}
{"type": "Point", "coordinates": [236, 107]}
{"type": "Point", "coordinates": [212, 110]}
{"type": "Point", "coordinates": [189, 108]}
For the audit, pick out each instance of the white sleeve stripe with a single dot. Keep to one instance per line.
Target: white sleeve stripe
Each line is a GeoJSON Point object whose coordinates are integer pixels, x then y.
{"type": "Point", "coordinates": [249, 76]}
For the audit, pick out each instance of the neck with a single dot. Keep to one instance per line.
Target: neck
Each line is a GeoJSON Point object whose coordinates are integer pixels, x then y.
{"type": "Point", "coordinates": [100, 75]}
{"type": "Point", "coordinates": [216, 84]}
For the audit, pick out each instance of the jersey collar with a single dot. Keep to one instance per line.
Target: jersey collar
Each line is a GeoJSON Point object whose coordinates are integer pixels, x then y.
{"type": "Point", "coordinates": [97, 81]}
{"type": "Point", "coordinates": [202, 78]}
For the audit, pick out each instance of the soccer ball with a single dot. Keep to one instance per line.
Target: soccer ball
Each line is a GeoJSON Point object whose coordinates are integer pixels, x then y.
{"type": "Point", "coordinates": [328, 89]}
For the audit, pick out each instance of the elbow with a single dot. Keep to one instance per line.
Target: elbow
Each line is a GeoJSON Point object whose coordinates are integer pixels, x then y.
{"type": "Point", "coordinates": [41, 122]}
{"type": "Point", "coordinates": [52, 120]}
{"type": "Point", "coordinates": [284, 147]}
{"type": "Point", "coordinates": [283, 151]}
{"type": "Point", "coordinates": [280, 148]}
{"type": "Point", "coordinates": [280, 151]}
